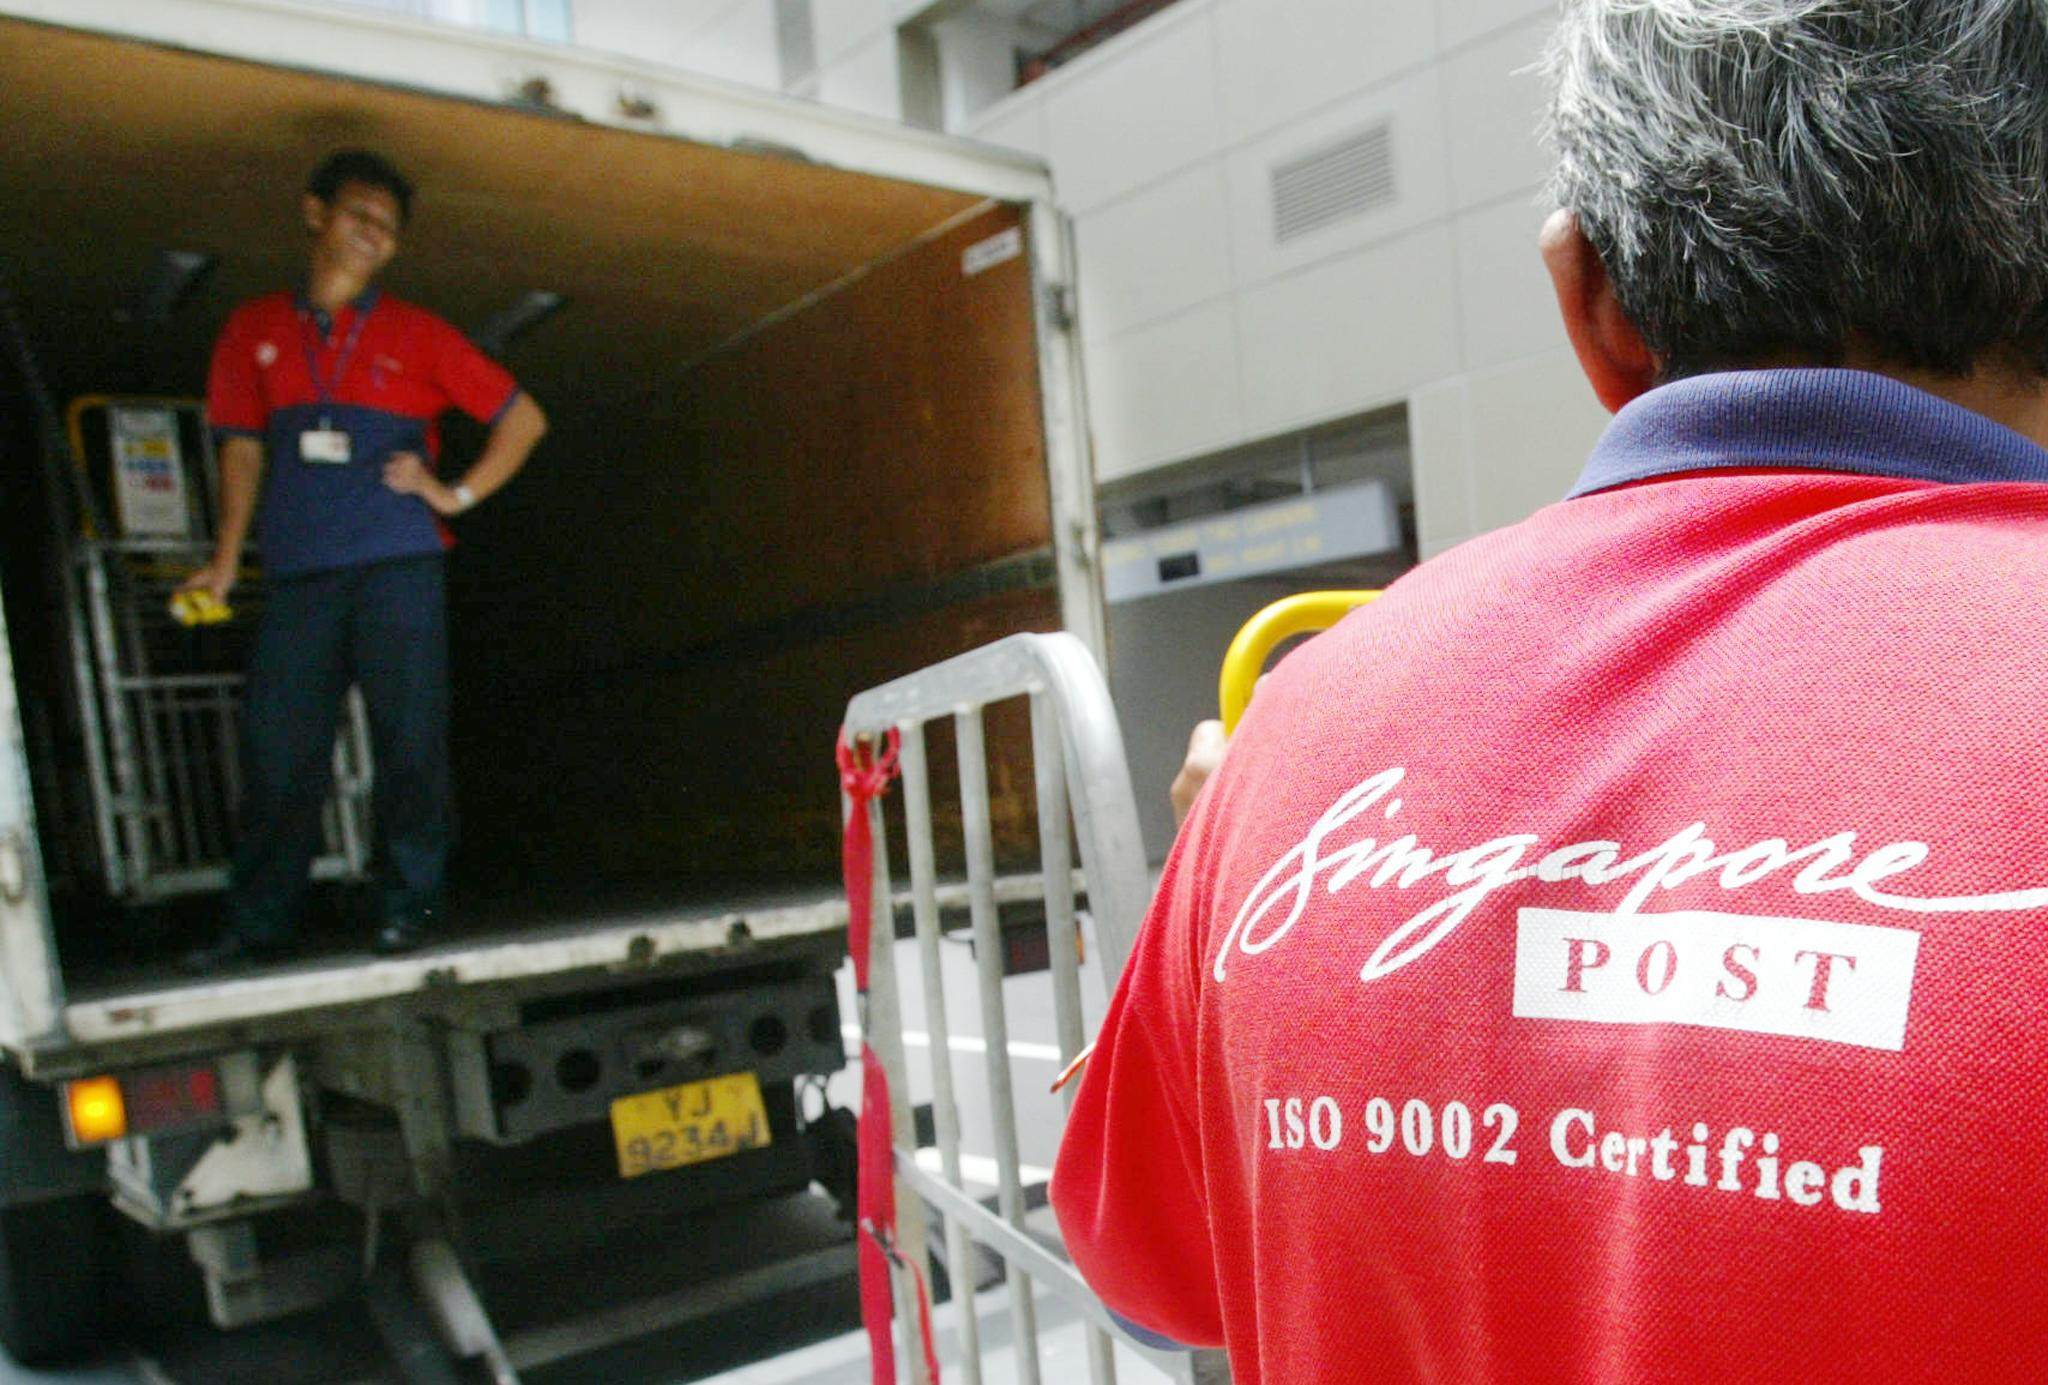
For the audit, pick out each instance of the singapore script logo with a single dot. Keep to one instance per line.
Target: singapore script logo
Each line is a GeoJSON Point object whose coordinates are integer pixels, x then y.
{"type": "Point", "coordinates": [1474, 873]}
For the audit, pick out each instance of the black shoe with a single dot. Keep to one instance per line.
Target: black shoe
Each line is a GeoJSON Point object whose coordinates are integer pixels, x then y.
{"type": "Point", "coordinates": [402, 932]}
{"type": "Point", "coordinates": [229, 950]}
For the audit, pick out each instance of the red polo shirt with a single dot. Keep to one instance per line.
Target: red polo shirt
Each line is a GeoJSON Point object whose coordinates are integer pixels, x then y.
{"type": "Point", "coordinates": [1621, 952]}
{"type": "Point", "coordinates": [381, 371]}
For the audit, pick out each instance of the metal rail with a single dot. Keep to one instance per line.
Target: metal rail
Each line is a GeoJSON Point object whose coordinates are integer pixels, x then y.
{"type": "Point", "coordinates": [163, 727]}
{"type": "Point", "coordinates": [1082, 784]}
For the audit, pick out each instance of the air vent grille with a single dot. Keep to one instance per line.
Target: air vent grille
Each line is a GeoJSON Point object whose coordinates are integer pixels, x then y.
{"type": "Point", "coordinates": [1333, 183]}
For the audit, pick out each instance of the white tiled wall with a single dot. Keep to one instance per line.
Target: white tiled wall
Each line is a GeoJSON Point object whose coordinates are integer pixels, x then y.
{"type": "Point", "coordinates": [1357, 331]}
{"type": "Point", "coordinates": [1494, 104]}
{"type": "Point", "coordinates": [1202, 333]}
{"type": "Point", "coordinates": [1116, 126]}
{"type": "Point", "coordinates": [844, 25]}
{"type": "Point", "coordinates": [1439, 428]}
{"type": "Point", "coordinates": [739, 45]}
{"type": "Point", "coordinates": [732, 39]}
{"type": "Point", "coordinates": [1459, 22]}
{"type": "Point", "coordinates": [1018, 124]}
{"type": "Point", "coordinates": [1155, 253]}
{"type": "Point", "coordinates": [1168, 389]}
{"type": "Point", "coordinates": [1283, 60]}
{"type": "Point", "coordinates": [1506, 310]}
{"type": "Point", "coordinates": [1529, 427]}
{"type": "Point", "coordinates": [658, 30]}
{"type": "Point", "coordinates": [864, 79]}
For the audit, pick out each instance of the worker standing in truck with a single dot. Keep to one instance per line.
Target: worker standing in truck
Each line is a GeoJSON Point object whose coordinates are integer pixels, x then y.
{"type": "Point", "coordinates": [1617, 954]}
{"type": "Point", "coordinates": [325, 403]}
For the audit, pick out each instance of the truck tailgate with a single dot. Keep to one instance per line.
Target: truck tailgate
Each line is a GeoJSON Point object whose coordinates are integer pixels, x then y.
{"type": "Point", "coordinates": [165, 1010]}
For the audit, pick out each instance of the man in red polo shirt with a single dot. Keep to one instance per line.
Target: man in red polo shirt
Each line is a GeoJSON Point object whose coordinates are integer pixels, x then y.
{"type": "Point", "coordinates": [325, 403]}
{"type": "Point", "coordinates": [1621, 952]}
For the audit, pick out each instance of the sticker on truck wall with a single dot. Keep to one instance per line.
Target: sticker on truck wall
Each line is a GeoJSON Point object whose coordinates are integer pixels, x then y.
{"type": "Point", "coordinates": [987, 254]}
{"type": "Point", "coordinates": [149, 473]}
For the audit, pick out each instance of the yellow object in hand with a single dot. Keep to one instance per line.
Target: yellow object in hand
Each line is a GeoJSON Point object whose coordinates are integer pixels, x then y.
{"type": "Point", "coordinates": [199, 607]}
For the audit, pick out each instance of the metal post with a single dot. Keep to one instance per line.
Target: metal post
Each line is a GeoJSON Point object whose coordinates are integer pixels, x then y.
{"type": "Point", "coordinates": [89, 716]}
{"type": "Point", "coordinates": [1056, 863]}
{"type": "Point", "coordinates": [961, 1253]}
{"type": "Point", "coordinates": [1070, 460]}
{"type": "Point", "coordinates": [127, 778]}
{"type": "Point", "coordinates": [419, 1091]}
{"type": "Point", "coordinates": [206, 775]}
{"type": "Point", "coordinates": [883, 1030]}
{"type": "Point", "coordinates": [182, 796]}
{"type": "Point", "coordinates": [988, 948]}
{"type": "Point", "coordinates": [153, 800]}
{"type": "Point", "coordinates": [444, 1286]}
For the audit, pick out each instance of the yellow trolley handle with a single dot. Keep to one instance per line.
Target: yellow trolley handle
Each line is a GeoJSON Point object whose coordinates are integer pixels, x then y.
{"type": "Point", "coordinates": [1264, 632]}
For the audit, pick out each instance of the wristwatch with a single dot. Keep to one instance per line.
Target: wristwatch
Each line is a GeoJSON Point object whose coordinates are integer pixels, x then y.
{"type": "Point", "coordinates": [464, 498]}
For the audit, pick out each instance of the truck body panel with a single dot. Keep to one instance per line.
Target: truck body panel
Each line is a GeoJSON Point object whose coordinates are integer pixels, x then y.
{"type": "Point", "coordinates": [815, 419]}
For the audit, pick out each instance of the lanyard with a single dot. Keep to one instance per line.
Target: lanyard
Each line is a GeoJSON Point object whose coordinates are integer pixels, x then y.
{"type": "Point", "coordinates": [311, 340]}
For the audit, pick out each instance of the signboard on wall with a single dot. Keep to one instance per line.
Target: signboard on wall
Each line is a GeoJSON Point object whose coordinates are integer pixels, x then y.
{"type": "Point", "coordinates": [149, 473]}
{"type": "Point", "coordinates": [1318, 527]}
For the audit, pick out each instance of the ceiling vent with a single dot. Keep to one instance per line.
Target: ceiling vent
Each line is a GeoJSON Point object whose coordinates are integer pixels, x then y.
{"type": "Point", "coordinates": [1333, 183]}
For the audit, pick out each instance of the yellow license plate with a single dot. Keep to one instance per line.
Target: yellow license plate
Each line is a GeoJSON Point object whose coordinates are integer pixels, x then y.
{"type": "Point", "coordinates": [689, 1124]}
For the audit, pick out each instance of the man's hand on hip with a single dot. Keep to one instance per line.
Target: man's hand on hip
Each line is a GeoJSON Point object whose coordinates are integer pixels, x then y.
{"type": "Point", "coordinates": [407, 473]}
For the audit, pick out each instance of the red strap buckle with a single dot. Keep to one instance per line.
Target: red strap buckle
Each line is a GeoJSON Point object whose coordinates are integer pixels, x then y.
{"type": "Point", "coordinates": [865, 765]}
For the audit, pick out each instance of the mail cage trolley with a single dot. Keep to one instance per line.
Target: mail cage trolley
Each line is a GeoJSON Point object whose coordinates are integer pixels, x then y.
{"type": "Point", "coordinates": [1092, 864]}
{"type": "Point", "coordinates": [160, 698]}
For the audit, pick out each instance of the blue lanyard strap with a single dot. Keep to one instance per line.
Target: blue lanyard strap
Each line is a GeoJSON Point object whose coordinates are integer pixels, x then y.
{"type": "Point", "coordinates": [311, 339]}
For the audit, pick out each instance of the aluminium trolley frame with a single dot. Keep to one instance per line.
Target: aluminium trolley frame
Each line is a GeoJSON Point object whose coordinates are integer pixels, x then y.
{"type": "Point", "coordinates": [162, 706]}
{"type": "Point", "coordinates": [1077, 756]}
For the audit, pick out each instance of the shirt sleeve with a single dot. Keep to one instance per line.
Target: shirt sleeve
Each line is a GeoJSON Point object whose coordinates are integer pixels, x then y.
{"type": "Point", "coordinates": [473, 382]}
{"type": "Point", "coordinates": [1128, 1185]}
{"type": "Point", "coordinates": [234, 393]}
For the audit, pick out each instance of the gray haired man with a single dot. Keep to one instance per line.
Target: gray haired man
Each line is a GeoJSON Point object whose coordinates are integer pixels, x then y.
{"type": "Point", "coordinates": [1618, 953]}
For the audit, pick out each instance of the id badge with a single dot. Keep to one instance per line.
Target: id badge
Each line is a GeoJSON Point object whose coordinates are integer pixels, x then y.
{"type": "Point", "coordinates": [325, 445]}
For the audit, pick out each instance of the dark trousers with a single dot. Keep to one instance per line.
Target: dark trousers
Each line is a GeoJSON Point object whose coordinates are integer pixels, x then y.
{"type": "Point", "coordinates": [382, 627]}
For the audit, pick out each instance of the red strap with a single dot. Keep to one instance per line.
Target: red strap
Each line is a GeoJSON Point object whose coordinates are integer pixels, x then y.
{"type": "Point", "coordinates": [865, 772]}
{"type": "Point", "coordinates": [877, 1210]}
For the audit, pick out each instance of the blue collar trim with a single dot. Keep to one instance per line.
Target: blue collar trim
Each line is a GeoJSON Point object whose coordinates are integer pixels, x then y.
{"type": "Point", "coordinates": [1807, 419]}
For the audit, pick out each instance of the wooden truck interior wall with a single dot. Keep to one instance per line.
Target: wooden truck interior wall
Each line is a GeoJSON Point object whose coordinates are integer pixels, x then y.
{"type": "Point", "coordinates": [725, 535]}
{"type": "Point", "coordinates": [653, 648]}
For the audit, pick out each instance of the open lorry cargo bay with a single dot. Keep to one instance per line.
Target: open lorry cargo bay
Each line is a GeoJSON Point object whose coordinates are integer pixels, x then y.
{"type": "Point", "coordinates": [803, 441]}
{"type": "Point", "coordinates": [795, 448]}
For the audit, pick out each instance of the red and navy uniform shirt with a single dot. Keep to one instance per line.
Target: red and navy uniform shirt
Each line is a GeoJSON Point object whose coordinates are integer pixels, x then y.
{"type": "Point", "coordinates": [380, 370]}
{"type": "Point", "coordinates": [1621, 952]}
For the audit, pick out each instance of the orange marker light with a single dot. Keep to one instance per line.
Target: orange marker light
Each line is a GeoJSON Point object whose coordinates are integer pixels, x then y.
{"type": "Point", "coordinates": [96, 1110]}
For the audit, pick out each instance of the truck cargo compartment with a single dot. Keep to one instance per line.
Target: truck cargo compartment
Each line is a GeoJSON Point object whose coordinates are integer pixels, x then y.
{"type": "Point", "coordinates": [798, 447]}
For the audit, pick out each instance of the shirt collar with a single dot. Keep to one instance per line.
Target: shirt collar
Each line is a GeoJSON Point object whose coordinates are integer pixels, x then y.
{"type": "Point", "coordinates": [362, 303]}
{"type": "Point", "coordinates": [1811, 420]}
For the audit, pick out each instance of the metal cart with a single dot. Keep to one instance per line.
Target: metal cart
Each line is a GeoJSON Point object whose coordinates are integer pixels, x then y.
{"type": "Point", "coordinates": [163, 701]}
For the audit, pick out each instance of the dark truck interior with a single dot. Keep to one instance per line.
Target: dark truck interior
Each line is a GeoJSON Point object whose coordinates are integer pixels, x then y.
{"type": "Point", "coordinates": [795, 451]}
